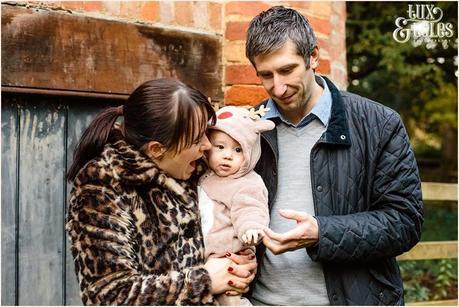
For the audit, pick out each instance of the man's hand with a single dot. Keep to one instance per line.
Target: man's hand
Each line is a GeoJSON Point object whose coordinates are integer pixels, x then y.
{"type": "Point", "coordinates": [305, 234]}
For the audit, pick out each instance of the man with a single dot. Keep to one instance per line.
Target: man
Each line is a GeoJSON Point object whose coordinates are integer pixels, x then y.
{"type": "Point", "coordinates": [344, 188]}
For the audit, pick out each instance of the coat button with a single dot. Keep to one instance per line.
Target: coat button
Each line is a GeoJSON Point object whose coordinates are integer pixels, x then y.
{"type": "Point", "coordinates": [319, 188]}
{"type": "Point", "coordinates": [274, 172]}
{"type": "Point", "coordinates": [335, 297]}
{"type": "Point", "coordinates": [381, 295]}
{"type": "Point", "coordinates": [343, 137]}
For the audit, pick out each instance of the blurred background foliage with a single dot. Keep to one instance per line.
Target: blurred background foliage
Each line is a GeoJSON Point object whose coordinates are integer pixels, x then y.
{"type": "Point", "coordinates": [419, 81]}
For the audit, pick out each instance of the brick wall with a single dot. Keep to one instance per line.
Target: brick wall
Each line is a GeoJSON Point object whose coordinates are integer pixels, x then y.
{"type": "Point", "coordinates": [201, 16]}
{"type": "Point", "coordinates": [230, 20]}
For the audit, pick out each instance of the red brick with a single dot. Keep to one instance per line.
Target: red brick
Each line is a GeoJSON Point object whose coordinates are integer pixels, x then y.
{"type": "Point", "coordinates": [93, 6]}
{"type": "Point", "coordinates": [236, 30]}
{"type": "Point", "coordinates": [130, 9]}
{"type": "Point", "coordinates": [320, 25]}
{"type": "Point", "coordinates": [234, 52]}
{"type": "Point", "coordinates": [73, 5]}
{"type": "Point", "coordinates": [112, 8]}
{"type": "Point", "coordinates": [339, 8]}
{"type": "Point", "coordinates": [183, 13]}
{"type": "Point", "coordinates": [321, 8]}
{"type": "Point", "coordinates": [340, 78]}
{"type": "Point", "coordinates": [241, 74]}
{"type": "Point", "coordinates": [48, 3]}
{"type": "Point", "coordinates": [166, 12]}
{"type": "Point", "coordinates": [215, 16]}
{"type": "Point", "coordinates": [150, 11]}
{"type": "Point", "coordinates": [249, 8]}
{"type": "Point", "coordinates": [245, 95]}
{"type": "Point", "coordinates": [298, 4]}
{"type": "Point", "coordinates": [323, 43]}
{"type": "Point", "coordinates": [324, 67]}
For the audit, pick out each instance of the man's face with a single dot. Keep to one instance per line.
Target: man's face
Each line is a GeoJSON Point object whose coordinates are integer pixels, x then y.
{"type": "Point", "coordinates": [284, 75]}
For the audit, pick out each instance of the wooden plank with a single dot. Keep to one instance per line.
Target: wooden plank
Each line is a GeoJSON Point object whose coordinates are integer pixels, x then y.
{"type": "Point", "coordinates": [40, 91]}
{"type": "Point", "coordinates": [435, 303]}
{"type": "Point", "coordinates": [80, 114]}
{"type": "Point", "coordinates": [9, 199]}
{"type": "Point", "coordinates": [431, 250]}
{"type": "Point", "coordinates": [41, 198]}
{"type": "Point", "coordinates": [57, 50]}
{"type": "Point", "coordinates": [439, 191]}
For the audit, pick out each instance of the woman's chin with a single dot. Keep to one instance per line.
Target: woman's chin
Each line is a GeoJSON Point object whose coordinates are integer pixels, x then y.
{"type": "Point", "coordinates": [190, 170]}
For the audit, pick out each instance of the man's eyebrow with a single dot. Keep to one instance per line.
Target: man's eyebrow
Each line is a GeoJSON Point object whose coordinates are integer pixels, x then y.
{"type": "Point", "coordinates": [263, 72]}
{"type": "Point", "coordinates": [286, 66]}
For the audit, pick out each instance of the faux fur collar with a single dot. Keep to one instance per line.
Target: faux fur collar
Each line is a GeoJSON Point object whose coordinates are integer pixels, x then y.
{"type": "Point", "coordinates": [121, 162]}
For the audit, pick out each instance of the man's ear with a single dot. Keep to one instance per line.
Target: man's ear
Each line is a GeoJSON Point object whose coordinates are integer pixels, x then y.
{"type": "Point", "coordinates": [155, 149]}
{"type": "Point", "coordinates": [314, 58]}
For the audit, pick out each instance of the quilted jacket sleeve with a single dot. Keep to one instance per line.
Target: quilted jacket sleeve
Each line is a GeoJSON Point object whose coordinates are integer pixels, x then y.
{"type": "Point", "coordinates": [102, 233]}
{"type": "Point", "coordinates": [392, 224]}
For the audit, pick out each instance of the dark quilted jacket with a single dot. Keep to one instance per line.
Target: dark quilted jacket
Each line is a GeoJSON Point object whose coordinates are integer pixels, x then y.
{"type": "Point", "coordinates": [367, 199]}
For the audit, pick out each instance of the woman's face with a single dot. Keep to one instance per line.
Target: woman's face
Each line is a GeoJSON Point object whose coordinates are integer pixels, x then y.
{"type": "Point", "coordinates": [182, 164]}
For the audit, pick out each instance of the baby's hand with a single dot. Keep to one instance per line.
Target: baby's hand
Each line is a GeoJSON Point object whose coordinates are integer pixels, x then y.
{"type": "Point", "coordinates": [252, 236]}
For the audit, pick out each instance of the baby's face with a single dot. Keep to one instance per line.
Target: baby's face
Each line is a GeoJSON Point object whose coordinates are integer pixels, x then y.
{"type": "Point", "coordinates": [225, 156]}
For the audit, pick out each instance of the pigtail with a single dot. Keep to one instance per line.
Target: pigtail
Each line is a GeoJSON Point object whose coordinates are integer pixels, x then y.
{"type": "Point", "coordinates": [93, 139]}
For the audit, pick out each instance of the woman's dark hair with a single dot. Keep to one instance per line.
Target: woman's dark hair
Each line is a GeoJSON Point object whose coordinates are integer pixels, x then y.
{"type": "Point", "coordinates": [271, 29]}
{"type": "Point", "coordinates": [164, 110]}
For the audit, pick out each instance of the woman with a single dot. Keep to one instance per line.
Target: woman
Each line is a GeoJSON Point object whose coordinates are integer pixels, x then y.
{"type": "Point", "coordinates": [133, 218]}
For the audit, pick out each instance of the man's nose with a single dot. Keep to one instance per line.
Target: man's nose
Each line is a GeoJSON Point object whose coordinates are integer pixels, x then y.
{"type": "Point", "coordinates": [279, 87]}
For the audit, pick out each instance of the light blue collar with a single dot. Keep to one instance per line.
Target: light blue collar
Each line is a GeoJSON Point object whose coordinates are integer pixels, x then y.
{"type": "Point", "coordinates": [321, 110]}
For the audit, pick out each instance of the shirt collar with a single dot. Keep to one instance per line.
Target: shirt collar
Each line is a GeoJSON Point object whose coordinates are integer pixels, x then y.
{"type": "Point", "coordinates": [321, 110]}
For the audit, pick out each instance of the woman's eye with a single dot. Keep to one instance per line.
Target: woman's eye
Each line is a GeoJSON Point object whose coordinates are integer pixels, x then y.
{"type": "Point", "coordinates": [238, 149]}
{"type": "Point", "coordinates": [220, 147]}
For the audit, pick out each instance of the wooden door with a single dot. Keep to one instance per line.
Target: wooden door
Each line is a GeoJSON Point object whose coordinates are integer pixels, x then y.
{"type": "Point", "coordinates": [39, 134]}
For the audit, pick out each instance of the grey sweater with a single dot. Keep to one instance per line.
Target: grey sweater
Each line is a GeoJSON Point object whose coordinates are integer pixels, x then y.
{"type": "Point", "coordinates": [292, 278]}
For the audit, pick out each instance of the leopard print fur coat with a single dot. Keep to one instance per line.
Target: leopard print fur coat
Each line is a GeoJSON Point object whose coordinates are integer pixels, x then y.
{"type": "Point", "coordinates": [135, 232]}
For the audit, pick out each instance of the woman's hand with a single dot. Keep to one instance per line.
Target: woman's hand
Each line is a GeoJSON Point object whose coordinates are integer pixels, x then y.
{"type": "Point", "coordinates": [243, 257]}
{"type": "Point", "coordinates": [229, 276]}
{"type": "Point", "coordinates": [247, 263]}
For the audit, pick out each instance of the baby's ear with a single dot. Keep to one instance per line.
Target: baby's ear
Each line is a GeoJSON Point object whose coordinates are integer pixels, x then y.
{"type": "Point", "coordinates": [264, 125]}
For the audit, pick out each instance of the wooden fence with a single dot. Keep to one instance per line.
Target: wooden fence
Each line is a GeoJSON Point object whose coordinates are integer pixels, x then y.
{"type": "Point", "coordinates": [435, 249]}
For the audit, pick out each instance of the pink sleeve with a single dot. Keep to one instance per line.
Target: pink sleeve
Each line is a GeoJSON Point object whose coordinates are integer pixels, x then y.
{"type": "Point", "coordinates": [249, 208]}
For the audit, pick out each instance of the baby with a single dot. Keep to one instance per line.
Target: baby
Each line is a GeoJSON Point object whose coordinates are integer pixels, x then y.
{"type": "Point", "coordinates": [233, 199]}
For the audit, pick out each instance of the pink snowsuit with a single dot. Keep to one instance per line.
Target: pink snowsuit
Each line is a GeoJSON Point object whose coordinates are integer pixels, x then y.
{"type": "Point", "coordinates": [239, 201]}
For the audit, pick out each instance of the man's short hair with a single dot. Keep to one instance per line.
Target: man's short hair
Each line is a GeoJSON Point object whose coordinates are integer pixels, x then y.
{"type": "Point", "coordinates": [271, 29]}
